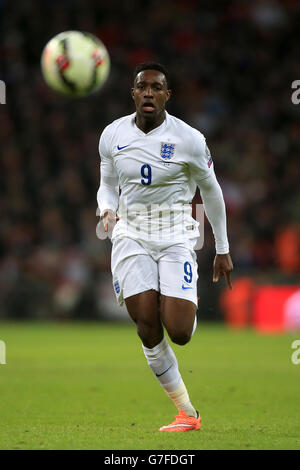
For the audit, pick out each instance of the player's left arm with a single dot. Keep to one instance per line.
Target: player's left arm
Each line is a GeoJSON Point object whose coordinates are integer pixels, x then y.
{"type": "Point", "coordinates": [202, 171]}
{"type": "Point", "coordinates": [215, 211]}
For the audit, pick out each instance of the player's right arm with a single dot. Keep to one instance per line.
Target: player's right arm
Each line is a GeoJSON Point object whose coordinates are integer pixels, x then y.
{"type": "Point", "coordinates": [108, 192]}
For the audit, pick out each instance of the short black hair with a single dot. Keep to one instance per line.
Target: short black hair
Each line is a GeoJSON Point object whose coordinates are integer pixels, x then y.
{"type": "Point", "coordinates": [152, 66]}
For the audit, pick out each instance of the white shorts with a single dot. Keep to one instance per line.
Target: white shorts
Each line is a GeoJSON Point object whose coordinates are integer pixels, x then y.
{"type": "Point", "coordinates": [139, 266]}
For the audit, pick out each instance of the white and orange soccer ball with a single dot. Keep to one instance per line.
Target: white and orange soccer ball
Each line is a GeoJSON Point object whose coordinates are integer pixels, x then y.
{"type": "Point", "coordinates": [75, 63]}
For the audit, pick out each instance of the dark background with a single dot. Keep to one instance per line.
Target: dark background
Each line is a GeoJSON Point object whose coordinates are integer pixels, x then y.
{"type": "Point", "coordinates": [232, 64]}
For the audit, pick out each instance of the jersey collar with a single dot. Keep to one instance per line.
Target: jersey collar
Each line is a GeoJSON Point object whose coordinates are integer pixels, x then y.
{"type": "Point", "coordinates": [157, 130]}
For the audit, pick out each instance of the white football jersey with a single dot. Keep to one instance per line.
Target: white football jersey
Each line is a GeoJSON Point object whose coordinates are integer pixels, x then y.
{"type": "Point", "coordinates": [157, 174]}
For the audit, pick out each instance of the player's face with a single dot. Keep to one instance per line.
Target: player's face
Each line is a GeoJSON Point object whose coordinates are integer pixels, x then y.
{"type": "Point", "coordinates": [150, 93]}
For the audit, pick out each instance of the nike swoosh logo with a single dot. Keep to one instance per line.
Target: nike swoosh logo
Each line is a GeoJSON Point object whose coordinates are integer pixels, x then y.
{"type": "Point", "coordinates": [182, 425]}
{"type": "Point", "coordinates": [124, 146]}
{"type": "Point", "coordinates": [158, 375]}
{"type": "Point", "coordinates": [186, 287]}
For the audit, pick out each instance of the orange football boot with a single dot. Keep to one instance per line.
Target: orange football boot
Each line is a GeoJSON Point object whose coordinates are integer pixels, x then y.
{"type": "Point", "coordinates": [183, 423]}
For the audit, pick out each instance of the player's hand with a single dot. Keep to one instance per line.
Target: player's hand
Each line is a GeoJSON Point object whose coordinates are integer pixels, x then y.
{"type": "Point", "coordinates": [223, 267]}
{"type": "Point", "coordinates": [109, 219]}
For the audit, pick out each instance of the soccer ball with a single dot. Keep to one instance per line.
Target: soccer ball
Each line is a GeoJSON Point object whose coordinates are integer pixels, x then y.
{"type": "Point", "coordinates": [75, 63]}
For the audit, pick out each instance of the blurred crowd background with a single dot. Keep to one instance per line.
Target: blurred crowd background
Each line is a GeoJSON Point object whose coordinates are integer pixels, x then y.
{"type": "Point", "coordinates": [232, 64]}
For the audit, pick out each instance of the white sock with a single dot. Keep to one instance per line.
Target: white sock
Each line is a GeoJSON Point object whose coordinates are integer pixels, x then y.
{"type": "Point", "coordinates": [164, 365]}
{"type": "Point", "coordinates": [181, 399]}
{"type": "Point", "coordinates": [195, 325]}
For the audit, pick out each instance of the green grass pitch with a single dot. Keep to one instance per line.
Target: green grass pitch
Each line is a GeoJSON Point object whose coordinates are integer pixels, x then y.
{"type": "Point", "coordinates": [88, 386]}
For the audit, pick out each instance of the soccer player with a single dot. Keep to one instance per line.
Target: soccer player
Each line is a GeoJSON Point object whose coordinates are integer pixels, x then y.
{"type": "Point", "coordinates": [151, 164]}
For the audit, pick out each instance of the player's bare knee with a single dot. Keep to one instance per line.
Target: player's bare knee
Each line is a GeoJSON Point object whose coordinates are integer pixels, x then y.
{"type": "Point", "coordinates": [149, 333]}
{"type": "Point", "coordinates": [144, 335]}
{"type": "Point", "coordinates": [180, 337]}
